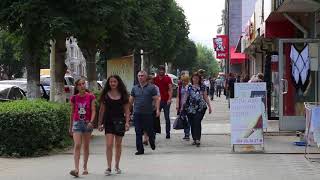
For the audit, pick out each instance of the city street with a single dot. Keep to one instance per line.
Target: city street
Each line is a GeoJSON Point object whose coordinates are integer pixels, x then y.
{"type": "Point", "coordinates": [178, 159]}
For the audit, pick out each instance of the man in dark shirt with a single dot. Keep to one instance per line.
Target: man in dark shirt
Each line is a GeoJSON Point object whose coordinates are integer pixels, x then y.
{"type": "Point", "coordinates": [231, 81]}
{"type": "Point", "coordinates": [142, 96]}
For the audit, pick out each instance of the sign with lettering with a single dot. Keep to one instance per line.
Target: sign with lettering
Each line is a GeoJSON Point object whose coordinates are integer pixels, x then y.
{"type": "Point", "coordinates": [251, 90]}
{"type": "Point", "coordinates": [124, 68]}
{"type": "Point", "coordinates": [246, 121]}
{"type": "Point", "coordinates": [221, 46]}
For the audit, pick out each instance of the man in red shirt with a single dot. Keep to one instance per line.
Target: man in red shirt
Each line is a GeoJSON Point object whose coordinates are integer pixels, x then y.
{"type": "Point", "coordinates": [164, 83]}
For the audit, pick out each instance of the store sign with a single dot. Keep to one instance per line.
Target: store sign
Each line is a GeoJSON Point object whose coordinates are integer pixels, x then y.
{"type": "Point", "coordinates": [246, 121]}
{"type": "Point", "coordinates": [221, 46]}
{"type": "Point", "coordinates": [251, 90]}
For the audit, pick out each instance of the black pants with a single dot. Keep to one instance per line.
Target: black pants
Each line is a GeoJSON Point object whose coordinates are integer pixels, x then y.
{"type": "Point", "coordinates": [143, 122]}
{"type": "Point", "coordinates": [195, 123]}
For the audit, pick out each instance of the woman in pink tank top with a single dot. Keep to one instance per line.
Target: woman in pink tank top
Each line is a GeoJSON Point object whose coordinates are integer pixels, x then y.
{"type": "Point", "coordinates": [82, 116]}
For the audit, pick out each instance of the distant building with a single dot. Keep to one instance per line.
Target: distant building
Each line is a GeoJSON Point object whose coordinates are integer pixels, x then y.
{"type": "Point", "coordinates": [74, 59]}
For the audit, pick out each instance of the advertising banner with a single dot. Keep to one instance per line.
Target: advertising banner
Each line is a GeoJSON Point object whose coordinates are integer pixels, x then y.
{"type": "Point", "coordinates": [220, 44]}
{"type": "Point", "coordinates": [250, 90]}
{"type": "Point", "coordinates": [124, 67]}
{"type": "Point", "coordinates": [246, 121]}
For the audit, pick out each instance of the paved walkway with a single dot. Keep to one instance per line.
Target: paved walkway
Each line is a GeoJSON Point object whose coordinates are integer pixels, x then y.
{"type": "Point", "coordinates": [178, 159]}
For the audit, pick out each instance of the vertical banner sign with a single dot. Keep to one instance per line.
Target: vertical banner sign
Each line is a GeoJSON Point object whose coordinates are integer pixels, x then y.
{"type": "Point", "coordinates": [124, 68]}
{"type": "Point", "coordinates": [220, 44]}
{"type": "Point", "coordinates": [251, 90]}
{"type": "Point", "coordinates": [246, 121]}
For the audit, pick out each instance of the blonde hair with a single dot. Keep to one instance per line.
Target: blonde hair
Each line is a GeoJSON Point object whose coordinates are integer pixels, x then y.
{"type": "Point", "coordinates": [185, 78]}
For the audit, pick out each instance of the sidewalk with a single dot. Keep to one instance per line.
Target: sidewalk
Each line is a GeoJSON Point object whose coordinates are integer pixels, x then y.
{"type": "Point", "coordinates": [175, 159]}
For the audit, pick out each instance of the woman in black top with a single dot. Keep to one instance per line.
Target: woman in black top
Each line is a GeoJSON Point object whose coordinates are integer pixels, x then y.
{"type": "Point", "coordinates": [114, 117]}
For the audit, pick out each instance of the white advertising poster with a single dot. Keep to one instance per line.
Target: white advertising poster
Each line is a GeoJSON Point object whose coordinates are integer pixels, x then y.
{"type": "Point", "coordinates": [124, 67]}
{"type": "Point", "coordinates": [246, 121]}
{"type": "Point", "coordinates": [250, 90]}
{"type": "Point", "coordinates": [315, 125]}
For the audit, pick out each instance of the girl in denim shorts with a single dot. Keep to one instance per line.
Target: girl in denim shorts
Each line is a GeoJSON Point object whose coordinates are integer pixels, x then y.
{"type": "Point", "coordinates": [82, 116]}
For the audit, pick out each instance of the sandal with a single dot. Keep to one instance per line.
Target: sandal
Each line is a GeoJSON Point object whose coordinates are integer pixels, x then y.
{"type": "Point", "coordinates": [74, 173]}
{"type": "Point", "coordinates": [85, 172]}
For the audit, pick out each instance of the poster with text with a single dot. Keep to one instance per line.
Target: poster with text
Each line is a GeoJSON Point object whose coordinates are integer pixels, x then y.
{"type": "Point", "coordinates": [247, 90]}
{"type": "Point", "coordinates": [123, 67]}
{"type": "Point", "coordinates": [246, 121]}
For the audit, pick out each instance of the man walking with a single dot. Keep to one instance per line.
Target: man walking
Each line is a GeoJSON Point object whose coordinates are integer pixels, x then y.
{"type": "Point", "coordinates": [164, 83]}
{"type": "Point", "coordinates": [142, 96]}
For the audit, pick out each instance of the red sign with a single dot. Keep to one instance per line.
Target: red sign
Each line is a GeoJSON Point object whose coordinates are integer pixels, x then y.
{"type": "Point", "coordinates": [221, 46]}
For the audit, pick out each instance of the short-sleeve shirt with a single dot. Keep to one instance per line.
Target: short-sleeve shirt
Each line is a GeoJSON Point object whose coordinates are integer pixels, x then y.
{"type": "Point", "coordinates": [195, 102]}
{"type": "Point", "coordinates": [82, 107]}
{"type": "Point", "coordinates": [143, 98]}
{"type": "Point", "coordinates": [163, 85]}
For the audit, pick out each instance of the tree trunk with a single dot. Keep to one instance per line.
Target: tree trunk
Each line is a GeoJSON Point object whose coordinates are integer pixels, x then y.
{"type": "Point", "coordinates": [57, 82]}
{"type": "Point", "coordinates": [89, 51]}
{"type": "Point", "coordinates": [33, 70]}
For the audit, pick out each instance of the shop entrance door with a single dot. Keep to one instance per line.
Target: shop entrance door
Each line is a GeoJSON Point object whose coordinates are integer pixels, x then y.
{"type": "Point", "coordinates": [292, 94]}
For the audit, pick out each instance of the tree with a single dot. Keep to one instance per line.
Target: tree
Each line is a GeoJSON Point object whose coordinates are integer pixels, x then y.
{"type": "Point", "coordinates": [206, 61]}
{"type": "Point", "coordinates": [11, 61]}
{"type": "Point", "coordinates": [187, 57]}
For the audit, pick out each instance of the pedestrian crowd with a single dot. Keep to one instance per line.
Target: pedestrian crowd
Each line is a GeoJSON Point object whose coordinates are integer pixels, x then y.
{"type": "Point", "coordinates": [147, 99]}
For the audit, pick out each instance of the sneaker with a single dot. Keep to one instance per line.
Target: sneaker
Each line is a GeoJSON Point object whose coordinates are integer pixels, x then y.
{"type": "Point", "coordinates": [117, 170]}
{"type": "Point", "coordinates": [107, 172]}
{"type": "Point", "coordinates": [186, 138]}
{"type": "Point", "coordinates": [194, 143]}
{"type": "Point", "coordinates": [168, 136]}
{"type": "Point", "coordinates": [139, 153]}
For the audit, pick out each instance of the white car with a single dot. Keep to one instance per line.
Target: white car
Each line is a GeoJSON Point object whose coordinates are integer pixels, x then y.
{"type": "Point", "coordinates": [45, 80]}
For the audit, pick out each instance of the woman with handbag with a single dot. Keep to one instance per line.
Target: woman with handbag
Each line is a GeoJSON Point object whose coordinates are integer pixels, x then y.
{"type": "Point", "coordinates": [196, 105]}
{"type": "Point", "coordinates": [114, 116]}
{"type": "Point", "coordinates": [181, 98]}
{"type": "Point", "coordinates": [83, 112]}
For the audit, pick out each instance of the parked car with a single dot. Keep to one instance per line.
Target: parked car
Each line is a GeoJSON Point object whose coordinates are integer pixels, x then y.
{"type": "Point", "coordinates": [45, 80]}
{"type": "Point", "coordinates": [22, 84]}
{"type": "Point", "coordinates": [11, 92]}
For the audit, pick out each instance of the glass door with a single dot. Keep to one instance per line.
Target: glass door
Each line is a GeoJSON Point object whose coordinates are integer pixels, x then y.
{"type": "Point", "coordinates": [295, 88]}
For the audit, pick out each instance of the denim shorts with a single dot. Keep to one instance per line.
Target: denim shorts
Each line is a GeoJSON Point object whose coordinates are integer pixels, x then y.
{"type": "Point", "coordinates": [81, 127]}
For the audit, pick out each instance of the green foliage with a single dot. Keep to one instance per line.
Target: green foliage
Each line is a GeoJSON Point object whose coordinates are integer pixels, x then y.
{"type": "Point", "coordinates": [187, 57]}
{"type": "Point", "coordinates": [206, 61]}
{"type": "Point", "coordinates": [31, 128]}
{"type": "Point", "coordinates": [11, 54]}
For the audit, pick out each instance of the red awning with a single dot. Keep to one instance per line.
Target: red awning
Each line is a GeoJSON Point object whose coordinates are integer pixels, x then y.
{"type": "Point", "coordinates": [236, 58]}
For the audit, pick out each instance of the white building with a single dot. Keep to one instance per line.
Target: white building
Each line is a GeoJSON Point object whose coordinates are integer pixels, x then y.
{"type": "Point", "coordinates": [74, 59]}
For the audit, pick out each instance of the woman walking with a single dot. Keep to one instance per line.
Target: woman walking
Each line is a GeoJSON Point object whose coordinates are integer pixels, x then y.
{"type": "Point", "coordinates": [114, 118]}
{"type": "Point", "coordinates": [181, 99]}
{"type": "Point", "coordinates": [82, 116]}
{"type": "Point", "coordinates": [196, 104]}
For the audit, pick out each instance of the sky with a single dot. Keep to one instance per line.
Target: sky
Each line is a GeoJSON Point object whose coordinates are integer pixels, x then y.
{"type": "Point", "coordinates": [204, 16]}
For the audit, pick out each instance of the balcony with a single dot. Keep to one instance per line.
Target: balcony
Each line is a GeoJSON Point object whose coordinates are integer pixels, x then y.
{"type": "Point", "coordinates": [296, 5]}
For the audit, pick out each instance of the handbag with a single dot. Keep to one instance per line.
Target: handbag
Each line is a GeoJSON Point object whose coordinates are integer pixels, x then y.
{"type": "Point", "coordinates": [119, 125]}
{"type": "Point", "coordinates": [181, 122]}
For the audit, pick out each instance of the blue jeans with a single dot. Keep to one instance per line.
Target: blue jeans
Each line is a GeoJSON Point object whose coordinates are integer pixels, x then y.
{"type": "Point", "coordinates": [81, 127]}
{"type": "Point", "coordinates": [143, 122]}
{"type": "Point", "coordinates": [187, 130]}
{"type": "Point", "coordinates": [166, 110]}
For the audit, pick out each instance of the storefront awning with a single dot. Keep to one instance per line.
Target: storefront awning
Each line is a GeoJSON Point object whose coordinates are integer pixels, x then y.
{"type": "Point", "coordinates": [236, 58]}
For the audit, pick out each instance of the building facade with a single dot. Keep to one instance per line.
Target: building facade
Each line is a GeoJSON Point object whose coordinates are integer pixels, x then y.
{"type": "Point", "coordinates": [74, 59]}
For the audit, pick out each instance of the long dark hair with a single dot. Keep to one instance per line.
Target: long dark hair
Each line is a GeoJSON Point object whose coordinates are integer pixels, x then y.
{"type": "Point", "coordinates": [76, 91]}
{"type": "Point", "coordinates": [121, 88]}
{"type": "Point", "coordinates": [199, 76]}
